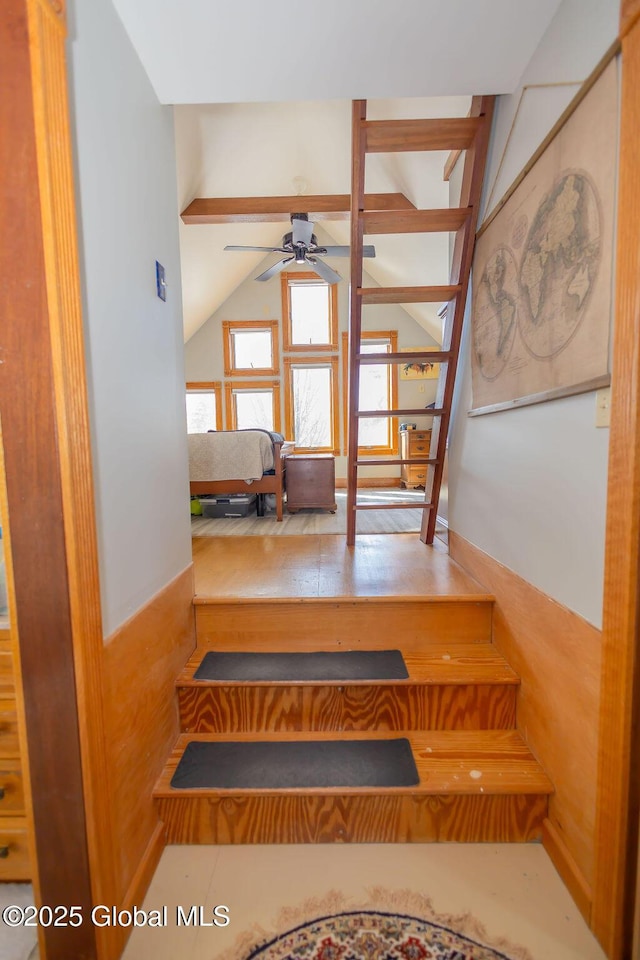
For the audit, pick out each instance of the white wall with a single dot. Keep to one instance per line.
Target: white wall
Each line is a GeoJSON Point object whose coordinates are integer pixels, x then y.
{"type": "Point", "coordinates": [262, 301]}
{"type": "Point", "coordinates": [126, 192]}
{"type": "Point", "coordinates": [528, 486]}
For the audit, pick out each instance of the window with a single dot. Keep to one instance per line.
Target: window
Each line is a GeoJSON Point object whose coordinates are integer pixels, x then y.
{"type": "Point", "coordinates": [253, 405]}
{"type": "Point", "coordinates": [311, 403]}
{"type": "Point", "coordinates": [250, 348]}
{"type": "Point", "coordinates": [378, 391]}
{"type": "Point", "coordinates": [204, 407]}
{"type": "Point", "coordinates": [309, 313]}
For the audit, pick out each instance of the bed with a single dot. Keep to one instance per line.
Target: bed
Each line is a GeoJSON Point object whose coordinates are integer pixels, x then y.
{"type": "Point", "coordinates": [239, 461]}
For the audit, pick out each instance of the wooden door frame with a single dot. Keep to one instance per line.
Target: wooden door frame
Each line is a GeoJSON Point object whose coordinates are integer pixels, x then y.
{"type": "Point", "coordinates": [618, 793]}
{"type": "Point", "coordinates": [49, 484]}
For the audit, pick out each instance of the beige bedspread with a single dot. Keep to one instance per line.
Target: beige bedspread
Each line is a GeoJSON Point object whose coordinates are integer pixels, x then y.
{"type": "Point", "coordinates": [232, 455]}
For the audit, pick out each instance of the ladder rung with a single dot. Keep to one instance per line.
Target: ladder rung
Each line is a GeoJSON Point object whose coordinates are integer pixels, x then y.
{"type": "Point", "coordinates": [408, 294]}
{"type": "Point", "coordinates": [432, 356]}
{"type": "Point", "coordinates": [391, 136]}
{"type": "Point", "coordinates": [420, 412]}
{"type": "Point", "coordinates": [407, 505]}
{"type": "Point", "coordinates": [445, 220]}
{"type": "Point", "coordinates": [415, 462]}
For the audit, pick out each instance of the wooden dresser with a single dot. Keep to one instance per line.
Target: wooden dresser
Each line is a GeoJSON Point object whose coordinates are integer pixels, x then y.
{"type": "Point", "coordinates": [14, 850]}
{"type": "Point", "coordinates": [414, 445]}
{"type": "Point", "coordinates": [14, 837]}
{"type": "Point", "coordinates": [311, 481]}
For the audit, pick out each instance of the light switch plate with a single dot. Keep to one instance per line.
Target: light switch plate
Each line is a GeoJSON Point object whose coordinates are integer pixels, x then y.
{"type": "Point", "coordinates": [603, 407]}
{"type": "Point", "coordinates": [161, 283]}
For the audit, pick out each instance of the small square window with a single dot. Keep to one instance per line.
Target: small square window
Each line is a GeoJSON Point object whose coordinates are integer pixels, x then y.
{"type": "Point", "coordinates": [250, 348]}
{"type": "Point", "coordinates": [253, 405]}
{"type": "Point", "coordinates": [204, 407]}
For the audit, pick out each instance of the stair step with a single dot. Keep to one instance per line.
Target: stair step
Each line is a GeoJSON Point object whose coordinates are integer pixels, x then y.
{"type": "Point", "coordinates": [450, 686]}
{"type": "Point", "coordinates": [344, 623]}
{"type": "Point", "coordinates": [482, 786]}
{"type": "Point", "coordinates": [460, 663]}
{"type": "Point", "coordinates": [392, 136]}
{"type": "Point", "coordinates": [437, 294]}
{"type": "Point", "coordinates": [444, 220]}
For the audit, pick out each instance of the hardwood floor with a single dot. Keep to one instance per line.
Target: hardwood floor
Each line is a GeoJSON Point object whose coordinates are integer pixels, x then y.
{"type": "Point", "coordinates": [324, 566]}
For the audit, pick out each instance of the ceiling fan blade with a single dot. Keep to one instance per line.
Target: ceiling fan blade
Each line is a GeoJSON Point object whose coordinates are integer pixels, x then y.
{"type": "Point", "coordinates": [276, 268]}
{"type": "Point", "coordinates": [302, 231]}
{"type": "Point", "coordinates": [367, 251]}
{"type": "Point", "coordinates": [324, 270]}
{"type": "Point", "coordinates": [261, 249]}
{"type": "Point", "coordinates": [334, 251]}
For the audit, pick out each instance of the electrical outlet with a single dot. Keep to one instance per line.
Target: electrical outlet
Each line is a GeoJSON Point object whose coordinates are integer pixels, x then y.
{"type": "Point", "coordinates": [603, 407]}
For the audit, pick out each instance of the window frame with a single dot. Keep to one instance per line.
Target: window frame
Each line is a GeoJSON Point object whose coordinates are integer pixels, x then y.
{"type": "Point", "coordinates": [287, 340]}
{"type": "Point", "coordinates": [208, 386]}
{"type": "Point", "coordinates": [254, 386]}
{"type": "Point", "coordinates": [330, 362]}
{"type": "Point", "coordinates": [390, 450]}
{"type": "Point", "coordinates": [228, 329]}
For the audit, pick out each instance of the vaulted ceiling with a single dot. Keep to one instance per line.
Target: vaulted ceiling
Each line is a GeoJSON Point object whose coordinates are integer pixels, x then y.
{"type": "Point", "coordinates": [262, 94]}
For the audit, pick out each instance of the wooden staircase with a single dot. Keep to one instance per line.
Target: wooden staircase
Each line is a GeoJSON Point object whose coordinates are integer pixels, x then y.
{"type": "Point", "coordinates": [469, 134]}
{"type": "Point", "coordinates": [478, 780]}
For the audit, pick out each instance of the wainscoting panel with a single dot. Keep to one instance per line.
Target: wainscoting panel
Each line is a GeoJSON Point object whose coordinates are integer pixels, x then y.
{"type": "Point", "coordinates": [557, 656]}
{"type": "Point", "coordinates": [142, 660]}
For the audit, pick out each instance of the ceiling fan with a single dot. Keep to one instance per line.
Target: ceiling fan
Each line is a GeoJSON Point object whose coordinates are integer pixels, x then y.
{"type": "Point", "coordinates": [301, 245]}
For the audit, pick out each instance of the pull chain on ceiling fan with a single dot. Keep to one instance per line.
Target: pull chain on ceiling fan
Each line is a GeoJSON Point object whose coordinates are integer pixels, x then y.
{"type": "Point", "coordinates": [302, 247]}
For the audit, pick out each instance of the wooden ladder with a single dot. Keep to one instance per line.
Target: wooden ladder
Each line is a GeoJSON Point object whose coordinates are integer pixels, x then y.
{"type": "Point", "coordinates": [470, 134]}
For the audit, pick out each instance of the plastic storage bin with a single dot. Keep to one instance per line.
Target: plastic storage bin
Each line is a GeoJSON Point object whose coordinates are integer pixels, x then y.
{"type": "Point", "coordinates": [233, 505]}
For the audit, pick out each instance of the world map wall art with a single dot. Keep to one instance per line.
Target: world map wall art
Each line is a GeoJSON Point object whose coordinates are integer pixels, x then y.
{"type": "Point", "coordinates": [542, 287]}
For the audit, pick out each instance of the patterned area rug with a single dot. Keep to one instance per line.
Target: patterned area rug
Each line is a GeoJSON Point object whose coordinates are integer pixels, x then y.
{"type": "Point", "coordinates": [368, 933]}
{"type": "Point", "coordinates": [321, 521]}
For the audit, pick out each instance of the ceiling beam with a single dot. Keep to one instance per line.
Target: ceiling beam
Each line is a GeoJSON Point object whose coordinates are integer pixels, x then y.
{"type": "Point", "coordinates": [279, 209]}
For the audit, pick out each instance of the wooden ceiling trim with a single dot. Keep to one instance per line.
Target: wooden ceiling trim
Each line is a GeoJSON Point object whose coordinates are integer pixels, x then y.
{"type": "Point", "coordinates": [279, 209]}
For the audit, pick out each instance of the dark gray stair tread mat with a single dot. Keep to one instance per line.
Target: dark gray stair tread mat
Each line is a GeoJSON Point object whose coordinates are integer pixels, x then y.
{"type": "Point", "coordinates": [275, 765]}
{"type": "Point", "coordinates": [334, 665]}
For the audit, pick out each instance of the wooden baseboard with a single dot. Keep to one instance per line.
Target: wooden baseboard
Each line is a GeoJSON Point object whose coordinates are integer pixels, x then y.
{"type": "Point", "coordinates": [568, 869]}
{"type": "Point", "coordinates": [371, 483]}
{"type": "Point", "coordinates": [146, 868]}
{"type": "Point", "coordinates": [556, 653]}
{"type": "Point", "coordinates": [140, 884]}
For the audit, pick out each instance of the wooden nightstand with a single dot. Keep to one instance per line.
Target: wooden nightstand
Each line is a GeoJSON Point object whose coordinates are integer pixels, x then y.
{"type": "Point", "coordinates": [414, 445]}
{"type": "Point", "coordinates": [311, 481]}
